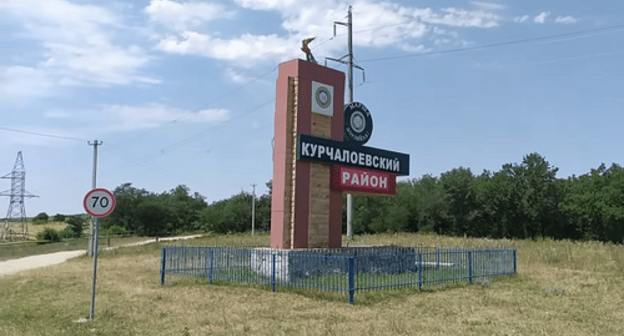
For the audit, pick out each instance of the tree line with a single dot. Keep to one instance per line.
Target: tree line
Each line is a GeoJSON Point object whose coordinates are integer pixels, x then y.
{"type": "Point", "coordinates": [521, 200]}
{"type": "Point", "coordinates": [177, 211]}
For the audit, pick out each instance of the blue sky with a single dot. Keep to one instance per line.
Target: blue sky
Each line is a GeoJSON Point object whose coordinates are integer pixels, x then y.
{"type": "Point", "coordinates": [183, 92]}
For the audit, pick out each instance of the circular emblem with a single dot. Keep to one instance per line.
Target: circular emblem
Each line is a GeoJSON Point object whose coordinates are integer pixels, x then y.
{"type": "Point", "coordinates": [323, 97]}
{"type": "Point", "coordinates": [358, 123]}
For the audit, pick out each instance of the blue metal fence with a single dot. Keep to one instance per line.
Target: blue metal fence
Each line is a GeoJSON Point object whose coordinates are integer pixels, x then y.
{"type": "Point", "coordinates": [347, 270]}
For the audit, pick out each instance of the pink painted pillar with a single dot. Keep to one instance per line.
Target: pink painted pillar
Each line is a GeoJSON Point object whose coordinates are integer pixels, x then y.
{"type": "Point", "coordinates": [293, 223]}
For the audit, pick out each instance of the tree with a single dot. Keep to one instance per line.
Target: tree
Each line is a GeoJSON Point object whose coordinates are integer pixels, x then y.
{"type": "Point", "coordinates": [594, 204]}
{"type": "Point", "coordinates": [128, 199]}
{"type": "Point", "coordinates": [231, 215]}
{"type": "Point", "coordinates": [537, 194]}
{"type": "Point", "coordinates": [427, 204]}
{"type": "Point", "coordinates": [58, 218]}
{"type": "Point", "coordinates": [459, 200]}
{"type": "Point", "coordinates": [184, 209]}
{"type": "Point", "coordinates": [145, 213]}
{"type": "Point", "coordinates": [75, 226]}
{"type": "Point", "coordinates": [41, 218]}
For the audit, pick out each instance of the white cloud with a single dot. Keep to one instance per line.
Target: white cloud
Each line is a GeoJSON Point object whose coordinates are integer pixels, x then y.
{"type": "Point", "coordinates": [566, 19]}
{"type": "Point", "coordinates": [57, 114]}
{"type": "Point", "coordinates": [488, 5]}
{"type": "Point", "coordinates": [78, 43]}
{"type": "Point", "coordinates": [377, 24]}
{"type": "Point", "coordinates": [267, 4]}
{"type": "Point", "coordinates": [125, 118]}
{"type": "Point", "coordinates": [235, 76]}
{"type": "Point", "coordinates": [456, 17]}
{"type": "Point", "coordinates": [128, 118]}
{"type": "Point", "coordinates": [22, 82]}
{"type": "Point", "coordinates": [541, 18]}
{"type": "Point", "coordinates": [521, 19]}
{"type": "Point", "coordinates": [102, 64]}
{"type": "Point", "coordinates": [184, 15]}
{"type": "Point", "coordinates": [246, 48]}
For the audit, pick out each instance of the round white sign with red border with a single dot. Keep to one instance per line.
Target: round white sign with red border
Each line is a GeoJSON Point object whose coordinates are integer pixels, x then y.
{"type": "Point", "coordinates": [99, 202]}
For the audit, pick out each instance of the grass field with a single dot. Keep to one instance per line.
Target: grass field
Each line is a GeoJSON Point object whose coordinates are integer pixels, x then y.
{"type": "Point", "coordinates": [563, 288]}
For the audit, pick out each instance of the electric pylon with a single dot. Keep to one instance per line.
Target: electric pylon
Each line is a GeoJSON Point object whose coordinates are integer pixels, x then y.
{"type": "Point", "coordinates": [15, 226]}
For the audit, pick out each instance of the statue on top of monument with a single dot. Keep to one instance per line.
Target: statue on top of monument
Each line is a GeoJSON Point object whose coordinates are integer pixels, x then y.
{"type": "Point", "coordinates": [307, 51]}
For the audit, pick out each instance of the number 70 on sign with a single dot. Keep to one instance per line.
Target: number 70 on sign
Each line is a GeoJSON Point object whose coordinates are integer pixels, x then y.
{"type": "Point", "coordinates": [99, 203]}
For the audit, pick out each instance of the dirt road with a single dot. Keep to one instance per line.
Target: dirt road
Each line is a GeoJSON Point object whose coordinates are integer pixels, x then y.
{"type": "Point", "coordinates": [43, 260]}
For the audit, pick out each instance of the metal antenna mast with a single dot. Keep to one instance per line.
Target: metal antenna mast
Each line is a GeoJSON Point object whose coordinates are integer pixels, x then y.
{"type": "Point", "coordinates": [15, 225]}
{"type": "Point", "coordinates": [350, 66]}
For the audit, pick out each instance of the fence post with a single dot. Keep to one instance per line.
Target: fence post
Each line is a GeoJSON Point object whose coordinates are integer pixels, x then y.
{"type": "Point", "coordinates": [470, 266]}
{"type": "Point", "coordinates": [163, 260]}
{"type": "Point", "coordinates": [420, 267]}
{"type": "Point", "coordinates": [273, 270]}
{"type": "Point", "coordinates": [211, 265]}
{"type": "Point", "coordinates": [351, 280]}
{"type": "Point", "coordinates": [437, 257]}
{"type": "Point", "coordinates": [515, 262]}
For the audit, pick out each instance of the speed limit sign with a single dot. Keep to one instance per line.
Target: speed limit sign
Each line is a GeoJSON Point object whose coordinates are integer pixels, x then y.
{"type": "Point", "coordinates": [99, 203]}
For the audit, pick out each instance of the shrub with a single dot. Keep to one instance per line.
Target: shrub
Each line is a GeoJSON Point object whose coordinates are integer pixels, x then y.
{"type": "Point", "coordinates": [59, 218]}
{"type": "Point", "coordinates": [41, 218]}
{"type": "Point", "coordinates": [75, 226]}
{"type": "Point", "coordinates": [49, 234]}
{"type": "Point", "coordinates": [114, 230]}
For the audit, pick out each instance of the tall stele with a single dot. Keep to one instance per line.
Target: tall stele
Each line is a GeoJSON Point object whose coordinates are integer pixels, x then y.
{"type": "Point", "coordinates": [358, 123]}
{"type": "Point", "coordinates": [318, 156]}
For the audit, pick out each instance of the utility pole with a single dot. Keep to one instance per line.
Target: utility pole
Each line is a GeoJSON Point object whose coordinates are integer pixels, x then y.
{"type": "Point", "coordinates": [350, 66]}
{"type": "Point", "coordinates": [253, 209]}
{"type": "Point", "coordinates": [92, 224]}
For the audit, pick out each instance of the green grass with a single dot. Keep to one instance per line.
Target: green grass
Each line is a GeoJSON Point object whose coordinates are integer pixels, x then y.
{"type": "Point", "coordinates": [563, 288]}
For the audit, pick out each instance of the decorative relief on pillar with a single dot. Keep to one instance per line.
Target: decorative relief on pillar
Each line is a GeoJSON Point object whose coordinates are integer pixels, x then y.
{"type": "Point", "coordinates": [292, 139]}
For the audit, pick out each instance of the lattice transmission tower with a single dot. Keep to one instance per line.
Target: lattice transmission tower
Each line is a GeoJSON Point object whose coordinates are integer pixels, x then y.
{"type": "Point", "coordinates": [14, 226]}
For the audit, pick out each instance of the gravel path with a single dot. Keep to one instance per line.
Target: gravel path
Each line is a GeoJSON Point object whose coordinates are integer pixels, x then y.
{"type": "Point", "coordinates": [43, 260]}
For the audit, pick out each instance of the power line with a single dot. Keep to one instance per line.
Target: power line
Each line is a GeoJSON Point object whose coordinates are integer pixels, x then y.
{"type": "Point", "coordinates": [363, 31]}
{"type": "Point", "coordinates": [500, 44]}
{"type": "Point", "coordinates": [203, 106]}
{"type": "Point", "coordinates": [203, 133]}
{"type": "Point", "coordinates": [42, 134]}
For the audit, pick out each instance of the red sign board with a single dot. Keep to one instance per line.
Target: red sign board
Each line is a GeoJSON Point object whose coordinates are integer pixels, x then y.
{"type": "Point", "coordinates": [363, 180]}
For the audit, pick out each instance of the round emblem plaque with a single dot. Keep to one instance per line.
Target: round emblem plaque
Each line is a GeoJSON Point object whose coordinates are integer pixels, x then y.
{"type": "Point", "coordinates": [358, 123]}
{"type": "Point", "coordinates": [323, 97]}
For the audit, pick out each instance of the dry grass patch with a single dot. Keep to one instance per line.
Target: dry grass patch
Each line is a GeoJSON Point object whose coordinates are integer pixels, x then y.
{"type": "Point", "coordinates": [550, 297]}
{"type": "Point", "coordinates": [33, 229]}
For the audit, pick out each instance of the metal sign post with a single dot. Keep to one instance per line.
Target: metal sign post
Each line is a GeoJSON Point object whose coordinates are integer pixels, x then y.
{"type": "Point", "coordinates": [96, 239]}
{"type": "Point", "coordinates": [98, 203]}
